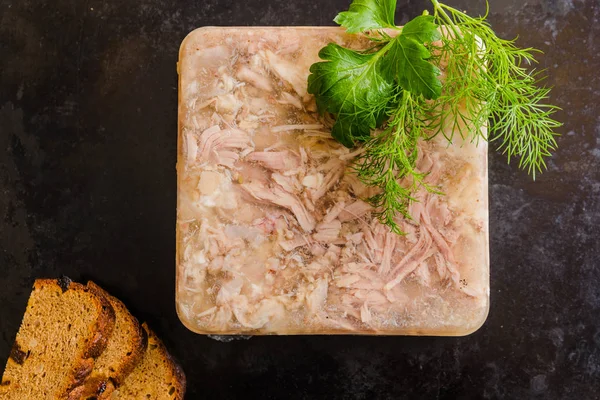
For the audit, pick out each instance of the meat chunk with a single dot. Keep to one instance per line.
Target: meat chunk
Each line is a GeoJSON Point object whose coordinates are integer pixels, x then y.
{"type": "Point", "coordinates": [313, 181]}
{"type": "Point", "coordinates": [331, 179]}
{"type": "Point", "coordinates": [412, 260]}
{"type": "Point", "coordinates": [280, 197]}
{"type": "Point", "coordinates": [288, 72]}
{"type": "Point", "coordinates": [388, 248]}
{"type": "Point", "coordinates": [355, 210]}
{"type": "Point", "coordinates": [287, 98]}
{"type": "Point", "coordinates": [207, 140]}
{"type": "Point", "coordinates": [317, 298]}
{"type": "Point", "coordinates": [233, 139]}
{"type": "Point", "coordinates": [255, 316]}
{"type": "Point", "coordinates": [254, 78]}
{"type": "Point", "coordinates": [335, 211]}
{"type": "Point", "coordinates": [226, 158]}
{"type": "Point", "coordinates": [276, 160]}
{"type": "Point", "coordinates": [328, 232]}
{"type": "Point", "coordinates": [296, 242]}
{"type": "Point", "coordinates": [213, 140]}
{"type": "Point", "coordinates": [288, 183]}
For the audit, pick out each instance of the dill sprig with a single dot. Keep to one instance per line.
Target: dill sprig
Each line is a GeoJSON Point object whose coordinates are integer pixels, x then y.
{"type": "Point", "coordinates": [388, 162]}
{"type": "Point", "coordinates": [488, 79]}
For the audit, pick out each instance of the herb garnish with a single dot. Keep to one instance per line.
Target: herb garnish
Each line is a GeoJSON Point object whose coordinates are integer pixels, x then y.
{"type": "Point", "coordinates": [395, 85]}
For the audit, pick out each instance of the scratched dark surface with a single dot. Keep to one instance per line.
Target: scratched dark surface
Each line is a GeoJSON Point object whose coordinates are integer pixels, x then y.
{"type": "Point", "coordinates": [88, 108]}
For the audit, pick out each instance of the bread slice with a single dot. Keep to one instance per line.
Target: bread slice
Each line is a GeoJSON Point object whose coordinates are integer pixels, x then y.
{"type": "Point", "coordinates": [124, 351]}
{"type": "Point", "coordinates": [157, 376]}
{"type": "Point", "coordinates": [65, 328]}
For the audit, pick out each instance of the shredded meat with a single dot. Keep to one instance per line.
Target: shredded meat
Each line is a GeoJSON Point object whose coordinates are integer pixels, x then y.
{"type": "Point", "coordinates": [355, 210]}
{"type": "Point", "coordinates": [280, 197]}
{"type": "Point", "coordinates": [246, 74]}
{"type": "Point", "coordinates": [276, 160]}
{"type": "Point", "coordinates": [275, 232]}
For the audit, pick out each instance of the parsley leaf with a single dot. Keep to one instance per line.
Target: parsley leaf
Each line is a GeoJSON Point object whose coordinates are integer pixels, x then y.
{"type": "Point", "coordinates": [355, 87]}
{"type": "Point", "coordinates": [413, 71]}
{"type": "Point", "coordinates": [358, 88]}
{"type": "Point", "coordinates": [364, 15]}
{"type": "Point", "coordinates": [422, 28]}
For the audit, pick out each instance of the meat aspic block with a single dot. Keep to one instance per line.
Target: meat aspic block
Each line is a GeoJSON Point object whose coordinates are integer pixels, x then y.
{"type": "Point", "coordinates": [274, 235]}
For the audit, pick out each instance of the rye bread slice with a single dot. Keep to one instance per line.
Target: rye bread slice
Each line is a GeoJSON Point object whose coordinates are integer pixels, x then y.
{"type": "Point", "coordinates": [125, 349]}
{"type": "Point", "coordinates": [65, 328]}
{"type": "Point", "coordinates": [157, 376]}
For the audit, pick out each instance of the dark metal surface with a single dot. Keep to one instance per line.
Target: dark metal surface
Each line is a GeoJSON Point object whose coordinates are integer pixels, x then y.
{"type": "Point", "coordinates": [88, 108]}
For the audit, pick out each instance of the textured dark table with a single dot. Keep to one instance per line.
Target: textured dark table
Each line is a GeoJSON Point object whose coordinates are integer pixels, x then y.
{"type": "Point", "coordinates": [88, 108]}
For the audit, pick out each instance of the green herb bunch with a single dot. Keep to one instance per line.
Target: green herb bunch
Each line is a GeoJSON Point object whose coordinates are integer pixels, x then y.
{"type": "Point", "coordinates": [487, 91]}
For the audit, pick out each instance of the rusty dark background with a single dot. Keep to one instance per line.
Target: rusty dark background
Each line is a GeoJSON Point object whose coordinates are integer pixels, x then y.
{"type": "Point", "coordinates": [88, 119]}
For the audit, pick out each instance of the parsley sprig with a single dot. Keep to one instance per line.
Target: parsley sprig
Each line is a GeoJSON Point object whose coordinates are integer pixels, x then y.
{"type": "Point", "coordinates": [392, 94]}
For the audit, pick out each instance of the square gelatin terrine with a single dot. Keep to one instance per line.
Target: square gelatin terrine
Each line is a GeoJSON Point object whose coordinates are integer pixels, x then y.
{"type": "Point", "coordinates": [273, 234]}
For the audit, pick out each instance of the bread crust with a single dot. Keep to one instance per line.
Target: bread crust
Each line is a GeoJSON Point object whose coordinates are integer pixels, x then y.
{"type": "Point", "coordinates": [94, 342]}
{"type": "Point", "coordinates": [99, 333]}
{"type": "Point", "coordinates": [99, 385]}
{"type": "Point", "coordinates": [138, 342]}
{"type": "Point", "coordinates": [178, 373]}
